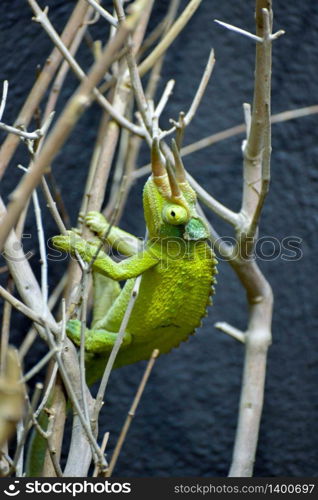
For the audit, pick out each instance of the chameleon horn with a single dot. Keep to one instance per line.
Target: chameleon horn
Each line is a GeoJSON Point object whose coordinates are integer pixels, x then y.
{"type": "Point", "coordinates": [159, 172]}
{"type": "Point", "coordinates": [175, 190]}
{"type": "Point", "coordinates": [157, 165]}
{"type": "Point", "coordinates": [180, 171]}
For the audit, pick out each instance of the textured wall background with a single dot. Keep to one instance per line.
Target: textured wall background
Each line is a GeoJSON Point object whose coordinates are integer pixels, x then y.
{"type": "Point", "coordinates": [186, 422]}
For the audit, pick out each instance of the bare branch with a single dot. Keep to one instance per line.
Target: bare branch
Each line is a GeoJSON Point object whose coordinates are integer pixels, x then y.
{"type": "Point", "coordinates": [247, 117]}
{"type": "Point", "coordinates": [102, 449]}
{"type": "Point", "coordinates": [231, 330]}
{"type": "Point", "coordinates": [85, 289]}
{"type": "Point", "coordinates": [39, 224]}
{"type": "Point", "coordinates": [131, 413]}
{"type": "Point", "coordinates": [72, 395]}
{"type": "Point", "coordinates": [42, 83]}
{"type": "Point", "coordinates": [113, 354]}
{"type": "Point", "coordinates": [38, 367]}
{"type": "Point", "coordinates": [103, 12]}
{"type": "Point", "coordinates": [47, 26]}
{"type": "Point", "coordinates": [239, 30]}
{"type": "Point", "coordinates": [3, 98]}
{"type": "Point", "coordinates": [200, 92]}
{"type": "Point", "coordinates": [164, 98]}
{"type": "Point", "coordinates": [135, 79]}
{"type": "Point", "coordinates": [214, 205]}
{"type": "Point", "coordinates": [32, 333]}
{"type": "Point", "coordinates": [34, 316]}
{"type": "Point", "coordinates": [169, 38]}
{"type": "Point", "coordinates": [256, 153]}
{"type": "Point", "coordinates": [23, 430]}
{"type": "Point", "coordinates": [5, 329]}
{"type": "Point", "coordinates": [52, 206]}
{"type": "Point", "coordinates": [226, 250]}
{"type": "Point", "coordinates": [73, 110]}
{"type": "Point", "coordinates": [32, 136]}
{"type": "Point", "coordinates": [47, 391]}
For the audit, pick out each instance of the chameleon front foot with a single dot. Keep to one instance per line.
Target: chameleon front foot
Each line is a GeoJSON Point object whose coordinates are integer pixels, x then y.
{"type": "Point", "coordinates": [71, 242]}
{"type": "Point", "coordinates": [96, 223]}
{"type": "Point", "coordinates": [96, 341]}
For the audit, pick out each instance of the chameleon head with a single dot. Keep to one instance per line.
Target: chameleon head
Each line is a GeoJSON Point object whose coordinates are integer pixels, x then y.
{"type": "Point", "coordinates": [169, 200]}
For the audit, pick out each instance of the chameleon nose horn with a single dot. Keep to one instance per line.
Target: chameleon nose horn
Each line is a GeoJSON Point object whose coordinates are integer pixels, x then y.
{"type": "Point", "coordinates": [180, 171]}
{"type": "Point", "coordinates": [175, 190]}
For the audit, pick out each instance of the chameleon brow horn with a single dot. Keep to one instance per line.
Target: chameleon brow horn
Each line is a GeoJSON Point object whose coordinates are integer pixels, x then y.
{"type": "Point", "coordinates": [159, 172]}
{"type": "Point", "coordinates": [174, 186]}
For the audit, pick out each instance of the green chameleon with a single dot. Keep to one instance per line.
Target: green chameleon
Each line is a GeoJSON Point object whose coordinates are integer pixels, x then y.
{"type": "Point", "coordinates": [176, 264]}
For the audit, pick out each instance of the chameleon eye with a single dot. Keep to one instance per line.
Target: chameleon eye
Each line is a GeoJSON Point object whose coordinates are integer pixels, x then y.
{"type": "Point", "coordinates": [174, 214]}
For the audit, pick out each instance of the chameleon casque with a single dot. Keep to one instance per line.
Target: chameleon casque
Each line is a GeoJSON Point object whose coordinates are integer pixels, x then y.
{"type": "Point", "coordinates": [176, 263]}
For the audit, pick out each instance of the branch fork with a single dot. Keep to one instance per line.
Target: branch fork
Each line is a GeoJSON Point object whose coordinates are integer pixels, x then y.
{"type": "Point", "coordinates": [268, 35]}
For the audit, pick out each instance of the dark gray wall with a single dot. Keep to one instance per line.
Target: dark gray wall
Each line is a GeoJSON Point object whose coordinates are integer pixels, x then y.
{"type": "Point", "coordinates": [186, 422]}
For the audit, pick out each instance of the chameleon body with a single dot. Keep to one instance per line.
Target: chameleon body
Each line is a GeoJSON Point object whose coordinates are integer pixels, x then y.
{"type": "Point", "coordinates": [176, 264]}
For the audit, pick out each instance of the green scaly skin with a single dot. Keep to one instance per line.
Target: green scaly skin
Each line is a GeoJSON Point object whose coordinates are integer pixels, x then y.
{"type": "Point", "coordinates": [177, 267]}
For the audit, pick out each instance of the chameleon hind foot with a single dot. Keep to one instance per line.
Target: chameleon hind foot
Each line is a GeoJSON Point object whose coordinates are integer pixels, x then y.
{"type": "Point", "coordinates": [96, 341]}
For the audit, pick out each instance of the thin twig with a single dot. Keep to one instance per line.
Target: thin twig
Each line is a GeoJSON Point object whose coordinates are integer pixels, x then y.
{"type": "Point", "coordinates": [292, 114]}
{"type": "Point", "coordinates": [115, 349]}
{"type": "Point", "coordinates": [135, 142]}
{"type": "Point", "coordinates": [84, 295]}
{"type": "Point", "coordinates": [30, 292]}
{"type": "Point", "coordinates": [135, 79]}
{"type": "Point", "coordinates": [52, 207]}
{"type": "Point", "coordinates": [74, 400]}
{"type": "Point", "coordinates": [107, 138]}
{"type": "Point", "coordinates": [34, 316]}
{"type": "Point", "coordinates": [32, 136]}
{"type": "Point", "coordinates": [102, 449]}
{"type": "Point", "coordinates": [131, 413]}
{"type": "Point", "coordinates": [103, 12]}
{"type": "Point", "coordinates": [51, 447]}
{"type": "Point", "coordinates": [64, 68]}
{"type": "Point", "coordinates": [222, 211]}
{"type": "Point", "coordinates": [31, 335]}
{"type": "Point", "coordinates": [64, 125]}
{"type": "Point", "coordinates": [42, 82]}
{"type": "Point", "coordinates": [247, 117]}
{"type": "Point", "coordinates": [239, 30]}
{"type": "Point", "coordinates": [5, 328]}
{"type": "Point", "coordinates": [42, 18]}
{"type": "Point", "coordinates": [164, 98]}
{"type": "Point", "coordinates": [44, 267]}
{"type": "Point", "coordinates": [3, 98]}
{"type": "Point", "coordinates": [47, 391]}
{"type": "Point", "coordinates": [201, 89]}
{"type": "Point", "coordinates": [23, 430]}
{"type": "Point", "coordinates": [169, 38]}
{"type": "Point", "coordinates": [226, 250]}
{"type": "Point", "coordinates": [36, 368]}
{"type": "Point", "coordinates": [231, 330]}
